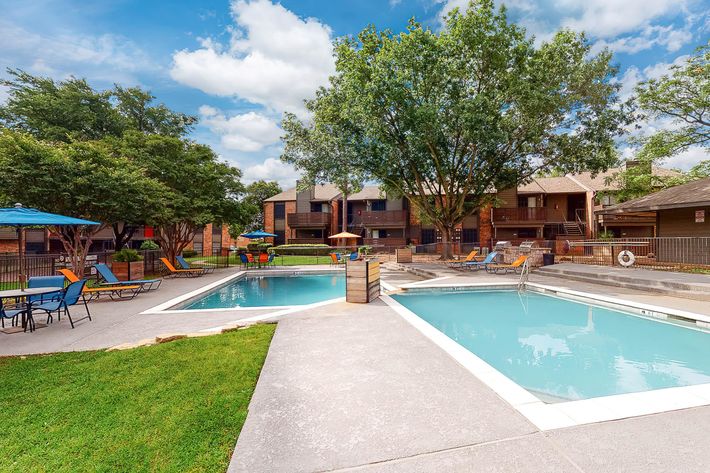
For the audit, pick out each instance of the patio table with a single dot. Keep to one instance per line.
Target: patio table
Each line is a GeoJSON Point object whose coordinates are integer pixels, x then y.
{"type": "Point", "coordinates": [21, 293]}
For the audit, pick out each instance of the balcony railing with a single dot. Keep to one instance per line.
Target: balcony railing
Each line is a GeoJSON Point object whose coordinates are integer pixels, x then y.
{"type": "Point", "coordinates": [381, 218]}
{"type": "Point", "coordinates": [520, 215]}
{"type": "Point", "coordinates": [309, 219]}
{"type": "Point", "coordinates": [620, 219]}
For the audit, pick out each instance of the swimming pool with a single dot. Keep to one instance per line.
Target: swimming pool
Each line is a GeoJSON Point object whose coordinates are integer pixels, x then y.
{"type": "Point", "coordinates": [270, 291]}
{"type": "Point", "coordinates": [562, 350]}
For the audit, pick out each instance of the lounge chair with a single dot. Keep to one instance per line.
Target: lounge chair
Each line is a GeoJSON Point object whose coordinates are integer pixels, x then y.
{"type": "Point", "coordinates": [207, 268]}
{"type": "Point", "coordinates": [336, 259]}
{"type": "Point", "coordinates": [120, 292]}
{"type": "Point", "coordinates": [453, 263]}
{"type": "Point", "coordinates": [263, 260]}
{"type": "Point", "coordinates": [271, 261]}
{"type": "Point", "coordinates": [71, 295]}
{"type": "Point", "coordinates": [112, 280]}
{"type": "Point", "coordinates": [188, 273]}
{"type": "Point", "coordinates": [475, 265]}
{"type": "Point", "coordinates": [354, 256]}
{"type": "Point", "coordinates": [504, 268]}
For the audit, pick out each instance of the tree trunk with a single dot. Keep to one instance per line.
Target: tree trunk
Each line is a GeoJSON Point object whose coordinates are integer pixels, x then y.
{"type": "Point", "coordinates": [122, 234]}
{"type": "Point", "coordinates": [174, 238]}
{"type": "Point", "coordinates": [76, 242]}
{"type": "Point", "coordinates": [447, 232]}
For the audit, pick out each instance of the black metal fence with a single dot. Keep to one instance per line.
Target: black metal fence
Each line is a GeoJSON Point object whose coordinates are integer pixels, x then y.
{"type": "Point", "coordinates": [667, 253]}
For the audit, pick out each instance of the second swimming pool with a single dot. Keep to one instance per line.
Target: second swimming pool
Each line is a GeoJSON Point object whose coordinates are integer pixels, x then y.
{"type": "Point", "coordinates": [562, 350]}
{"type": "Point", "coordinates": [272, 290]}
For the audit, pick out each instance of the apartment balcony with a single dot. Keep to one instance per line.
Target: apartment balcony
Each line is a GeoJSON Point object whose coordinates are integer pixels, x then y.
{"type": "Point", "coordinates": [383, 218]}
{"type": "Point", "coordinates": [520, 216]}
{"type": "Point", "coordinates": [308, 220]}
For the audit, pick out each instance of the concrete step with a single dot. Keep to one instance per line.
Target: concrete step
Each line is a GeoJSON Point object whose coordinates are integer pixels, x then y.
{"type": "Point", "coordinates": [687, 290]}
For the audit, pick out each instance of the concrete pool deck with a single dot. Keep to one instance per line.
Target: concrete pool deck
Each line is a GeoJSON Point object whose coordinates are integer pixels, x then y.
{"type": "Point", "coordinates": [349, 387]}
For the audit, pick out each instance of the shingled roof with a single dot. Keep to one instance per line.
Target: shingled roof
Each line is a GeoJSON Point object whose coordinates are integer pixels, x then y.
{"type": "Point", "coordinates": [692, 194]}
{"type": "Point", "coordinates": [323, 192]}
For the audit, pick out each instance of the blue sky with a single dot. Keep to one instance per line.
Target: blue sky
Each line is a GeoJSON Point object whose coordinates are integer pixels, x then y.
{"type": "Point", "coordinates": [240, 64]}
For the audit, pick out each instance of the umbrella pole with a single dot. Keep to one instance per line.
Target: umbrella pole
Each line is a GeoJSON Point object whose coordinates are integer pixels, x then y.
{"type": "Point", "coordinates": [21, 251]}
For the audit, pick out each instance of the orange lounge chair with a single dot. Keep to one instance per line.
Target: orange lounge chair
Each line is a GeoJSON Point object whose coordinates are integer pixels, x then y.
{"type": "Point", "coordinates": [114, 292]}
{"type": "Point", "coordinates": [514, 266]}
{"type": "Point", "coordinates": [189, 273]}
{"type": "Point", "coordinates": [452, 263]}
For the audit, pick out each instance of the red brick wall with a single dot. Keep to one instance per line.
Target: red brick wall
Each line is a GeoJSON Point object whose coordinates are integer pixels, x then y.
{"type": "Point", "coordinates": [335, 207]}
{"type": "Point", "coordinates": [290, 208]}
{"type": "Point", "coordinates": [8, 246]}
{"type": "Point", "coordinates": [207, 240]}
{"type": "Point", "coordinates": [269, 219]}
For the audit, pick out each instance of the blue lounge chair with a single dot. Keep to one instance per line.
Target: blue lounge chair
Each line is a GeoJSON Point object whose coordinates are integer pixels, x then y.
{"type": "Point", "coordinates": [490, 259]}
{"type": "Point", "coordinates": [354, 256]}
{"type": "Point", "coordinates": [270, 262]}
{"type": "Point", "coordinates": [206, 268]}
{"type": "Point", "coordinates": [112, 280]}
{"type": "Point", "coordinates": [71, 295]}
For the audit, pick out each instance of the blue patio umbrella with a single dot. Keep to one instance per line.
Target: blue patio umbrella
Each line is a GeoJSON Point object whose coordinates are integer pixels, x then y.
{"type": "Point", "coordinates": [258, 234]}
{"type": "Point", "coordinates": [21, 217]}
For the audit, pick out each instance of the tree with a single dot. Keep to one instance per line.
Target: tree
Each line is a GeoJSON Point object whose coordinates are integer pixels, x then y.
{"type": "Point", "coordinates": [682, 96]}
{"type": "Point", "coordinates": [134, 106]}
{"type": "Point", "coordinates": [70, 110]}
{"type": "Point", "coordinates": [447, 117]}
{"type": "Point", "coordinates": [53, 111]}
{"type": "Point", "coordinates": [252, 205]}
{"type": "Point", "coordinates": [328, 148]}
{"type": "Point", "coordinates": [79, 179]}
{"type": "Point", "coordinates": [199, 189]}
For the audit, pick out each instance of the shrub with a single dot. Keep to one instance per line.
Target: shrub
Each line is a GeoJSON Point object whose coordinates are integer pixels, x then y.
{"type": "Point", "coordinates": [126, 255]}
{"type": "Point", "coordinates": [189, 253]}
{"type": "Point", "coordinates": [319, 249]}
{"type": "Point", "coordinates": [365, 250]}
{"type": "Point", "coordinates": [149, 245]}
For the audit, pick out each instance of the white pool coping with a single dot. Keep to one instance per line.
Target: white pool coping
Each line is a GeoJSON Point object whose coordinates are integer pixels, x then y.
{"type": "Point", "coordinates": [571, 413]}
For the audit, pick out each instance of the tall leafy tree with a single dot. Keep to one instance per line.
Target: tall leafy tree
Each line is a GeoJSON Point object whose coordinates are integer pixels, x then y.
{"type": "Point", "coordinates": [137, 111]}
{"type": "Point", "coordinates": [199, 189]}
{"type": "Point", "coordinates": [328, 148]}
{"type": "Point", "coordinates": [80, 179]}
{"type": "Point", "coordinates": [449, 116]}
{"type": "Point", "coordinates": [57, 111]}
{"type": "Point", "coordinates": [252, 206]}
{"type": "Point", "coordinates": [682, 96]}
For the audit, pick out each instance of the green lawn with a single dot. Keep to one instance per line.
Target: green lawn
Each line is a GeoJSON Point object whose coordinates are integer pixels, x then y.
{"type": "Point", "coordinates": [177, 406]}
{"type": "Point", "coordinates": [287, 260]}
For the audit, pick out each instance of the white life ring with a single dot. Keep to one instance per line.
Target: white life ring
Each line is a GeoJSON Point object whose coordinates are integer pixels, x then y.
{"type": "Point", "coordinates": [626, 258]}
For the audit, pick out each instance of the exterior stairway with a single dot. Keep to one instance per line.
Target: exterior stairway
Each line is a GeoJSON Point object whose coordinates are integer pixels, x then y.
{"type": "Point", "coordinates": [572, 228]}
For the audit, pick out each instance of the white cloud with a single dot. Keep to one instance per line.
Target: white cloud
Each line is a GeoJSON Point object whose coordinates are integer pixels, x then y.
{"type": "Point", "coordinates": [651, 36]}
{"type": "Point", "coordinates": [271, 169]}
{"type": "Point", "coordinates": [243, 132]}
{"type": "Point", "coordinates": [687, 159]}
{"type": "Point", "coordinates": [274, 58]}
{"type": "Point", "coordinates": [609, 18]}
{"type": "Point", "coordinates": [107, 56]}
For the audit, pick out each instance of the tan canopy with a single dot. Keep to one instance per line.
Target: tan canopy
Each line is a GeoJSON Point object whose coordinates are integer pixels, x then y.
{"type": "Point", "coordinates": [344, 235]}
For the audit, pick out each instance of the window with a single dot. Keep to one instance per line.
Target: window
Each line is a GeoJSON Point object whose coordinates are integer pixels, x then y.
{"type": "Point", "coordinates": [379, 205]}
{"type": "Point", "coordinates": [527, 233]}
{"type": "Point", "coordinates": [279, 210]}
{"type": "Point", "coordinates": [280, 237]}
{"type": "Point", "coordinates": [428, 236]}
{"type": "Point", "coordinates": [608, 199]}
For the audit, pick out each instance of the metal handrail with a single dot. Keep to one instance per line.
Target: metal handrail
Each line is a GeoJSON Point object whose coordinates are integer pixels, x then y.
{"type": "Point", "coordinates": [524, 274]}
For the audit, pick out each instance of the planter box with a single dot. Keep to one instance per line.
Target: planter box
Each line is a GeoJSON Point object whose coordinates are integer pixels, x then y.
{"type": "Point", "coordinates": [404, 255]}
{"type": "Point", "coordinates": [128, 271]}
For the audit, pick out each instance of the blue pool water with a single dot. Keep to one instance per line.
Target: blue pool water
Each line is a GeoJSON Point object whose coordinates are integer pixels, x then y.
{"type": "Point", "coordinates": [272, 291]}
{"type": "Point", "coordinates": [564, 350]}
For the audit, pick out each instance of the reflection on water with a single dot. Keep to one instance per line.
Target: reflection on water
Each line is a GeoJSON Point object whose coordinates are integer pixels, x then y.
{"type": "Point", "coordinates": [566, 349]}
{"type": "Point", "coordinates": [273, 291]}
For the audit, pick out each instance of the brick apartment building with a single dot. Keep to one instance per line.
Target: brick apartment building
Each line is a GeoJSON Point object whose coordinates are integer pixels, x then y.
{"type": "Point", "coordinates": [564, 207]}
{"type": "Point", "coordinates": [212, 239]}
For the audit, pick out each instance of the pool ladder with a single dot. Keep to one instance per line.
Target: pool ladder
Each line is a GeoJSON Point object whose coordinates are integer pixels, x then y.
{"type": "Point", "coordinates": [524, 273]}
